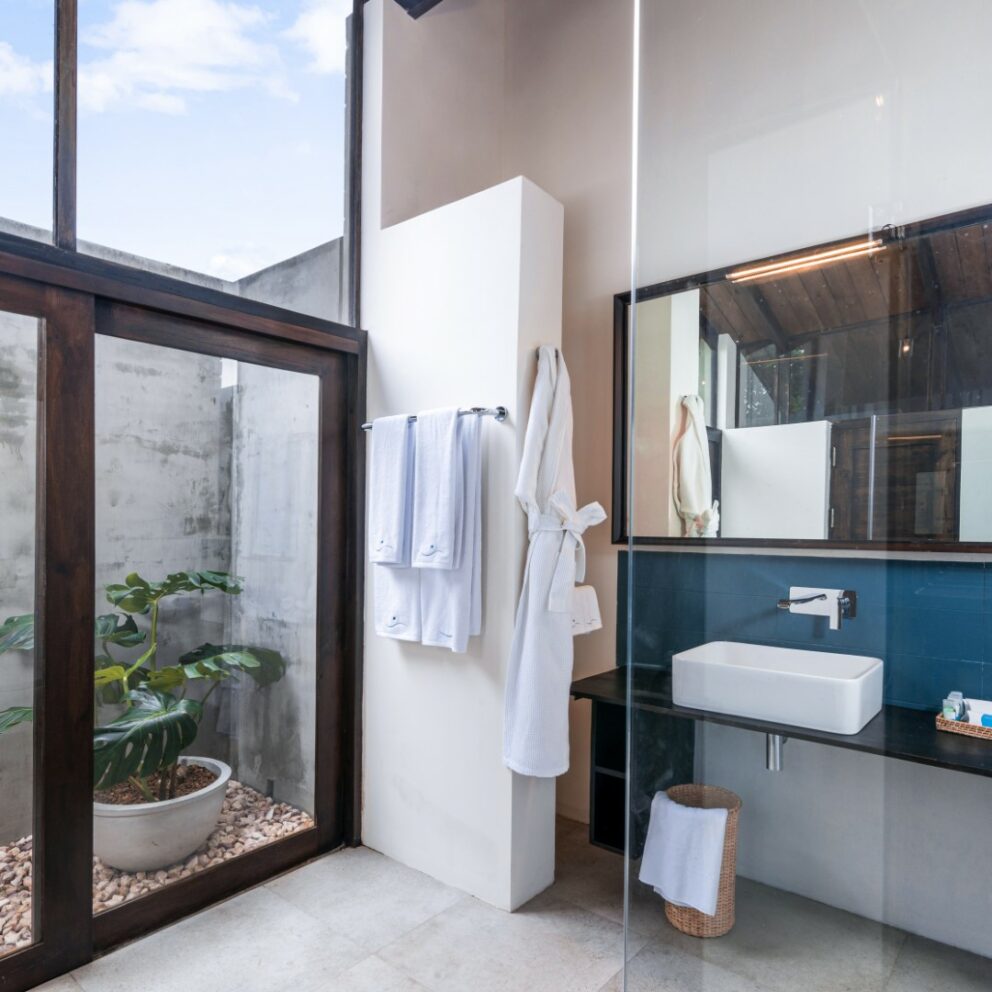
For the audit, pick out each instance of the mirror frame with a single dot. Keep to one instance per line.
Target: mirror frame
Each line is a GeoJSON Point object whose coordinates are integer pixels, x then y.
{"type": "Point", "coordinates": [622, 407]}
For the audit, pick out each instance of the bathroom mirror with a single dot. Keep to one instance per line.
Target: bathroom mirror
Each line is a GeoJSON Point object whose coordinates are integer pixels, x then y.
{"type": "Point", "coordinates": [843, 396]}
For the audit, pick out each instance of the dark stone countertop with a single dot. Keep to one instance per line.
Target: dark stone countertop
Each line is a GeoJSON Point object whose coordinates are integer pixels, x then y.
{"type": "Point", "coordinates": [897, 732]}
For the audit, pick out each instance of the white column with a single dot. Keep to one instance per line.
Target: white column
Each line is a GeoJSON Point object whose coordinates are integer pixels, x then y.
{"type": "Point", "coordinates": [456, 301]}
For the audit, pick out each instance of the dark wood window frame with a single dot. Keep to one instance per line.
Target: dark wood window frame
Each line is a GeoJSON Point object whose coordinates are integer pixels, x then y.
{"type": "Point", "coordinates": [75, 300]}
{"type": "Point", "coordinates": [622, 405]}
{"type": "Point", "coordinates": [76, 297]}
{"type": "Point", "coordinates": [64, 171]}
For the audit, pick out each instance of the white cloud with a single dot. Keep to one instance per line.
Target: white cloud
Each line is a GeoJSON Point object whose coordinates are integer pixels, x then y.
{"type": "Point", "coordinates": [22, 76]}
{"type": "Point", "coordinates": [235, 264]}
{"type": "Point", "coordinates": [320, 30]}
{"type": "Point", "coordinates": [159, 52]}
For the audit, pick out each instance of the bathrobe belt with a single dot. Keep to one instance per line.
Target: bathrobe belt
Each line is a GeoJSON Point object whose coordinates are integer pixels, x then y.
{"type": "Point", "coordinates": [571, 564]}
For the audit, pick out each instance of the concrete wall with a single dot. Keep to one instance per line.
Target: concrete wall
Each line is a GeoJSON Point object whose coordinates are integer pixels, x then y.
{"type": "Point", "coordinates": [171, 433]}
{"type": "Point", "coordinates": [18, 432]}
{"type": "Point", "coordinates": [274, 548]}
{"type": "Point", "coordinates": [308, 283]}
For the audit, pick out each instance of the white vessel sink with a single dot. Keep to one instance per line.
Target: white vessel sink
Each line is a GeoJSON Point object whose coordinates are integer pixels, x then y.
{"type": "Point", "coordinates": [838, 693]}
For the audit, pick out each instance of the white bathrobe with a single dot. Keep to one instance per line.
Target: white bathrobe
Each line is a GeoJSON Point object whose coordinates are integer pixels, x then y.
{"type": "Point", "coordinates": [535, 736]}
{"type": "Point", "coordinates": [692, 488]}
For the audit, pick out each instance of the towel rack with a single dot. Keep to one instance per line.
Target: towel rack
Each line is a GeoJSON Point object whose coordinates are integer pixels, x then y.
{"type": "Point", "coordinates": [499, 413]}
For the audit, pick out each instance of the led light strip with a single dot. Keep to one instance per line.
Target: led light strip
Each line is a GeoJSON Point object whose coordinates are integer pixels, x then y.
{"type": "Point", "coordinates": [799, 263]}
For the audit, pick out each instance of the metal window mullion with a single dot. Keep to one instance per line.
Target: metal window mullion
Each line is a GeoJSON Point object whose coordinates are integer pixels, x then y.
{"type": "Point", "coordinates": [64, 164]}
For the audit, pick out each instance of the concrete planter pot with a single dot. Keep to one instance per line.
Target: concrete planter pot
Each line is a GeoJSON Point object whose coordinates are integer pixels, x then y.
{"type": "Point", "coordinates": [149, 836]}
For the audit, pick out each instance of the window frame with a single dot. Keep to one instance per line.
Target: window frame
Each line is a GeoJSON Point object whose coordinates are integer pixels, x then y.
{"type": "Point", "coordinates": [78, 296]}
{"type": "Point", "coordinates": [65, 179]}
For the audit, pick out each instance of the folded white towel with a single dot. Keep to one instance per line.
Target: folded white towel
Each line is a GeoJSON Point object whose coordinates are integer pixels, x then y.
{"type": "Point", "coordinates": [683, 853]}
{"type": "Point", "coordinates": [391, 491]}
{"type": "Point", "coordinates": [438, 497]}
{"type": "Point", "coordinates": [585, 610]}
{"type": "Point", "coordinates": [451, 600]}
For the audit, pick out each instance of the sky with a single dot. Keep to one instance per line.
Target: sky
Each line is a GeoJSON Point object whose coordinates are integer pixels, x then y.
{"type": "Point", "coordinates": [211, 132]}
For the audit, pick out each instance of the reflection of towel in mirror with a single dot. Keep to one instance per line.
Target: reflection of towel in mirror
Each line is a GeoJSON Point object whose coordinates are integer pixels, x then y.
{"type": "Point", "coordinates": [692, 480]}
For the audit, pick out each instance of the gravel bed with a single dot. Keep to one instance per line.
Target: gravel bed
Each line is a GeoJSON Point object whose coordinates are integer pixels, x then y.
{"type": "Point", "coordinates": [248, 820]}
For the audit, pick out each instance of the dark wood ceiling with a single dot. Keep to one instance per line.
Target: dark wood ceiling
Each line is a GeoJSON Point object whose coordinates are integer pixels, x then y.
{"type": "Point", "coordinates": [934, 274]}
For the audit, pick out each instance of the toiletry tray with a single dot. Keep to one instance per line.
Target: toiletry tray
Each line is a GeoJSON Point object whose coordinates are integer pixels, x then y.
{"type": "Point", "coordinates": [964, 728]}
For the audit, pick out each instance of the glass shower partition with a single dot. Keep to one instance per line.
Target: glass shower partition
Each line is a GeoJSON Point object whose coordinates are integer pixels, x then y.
{"type": "Point", "coordinates": [805, 365]}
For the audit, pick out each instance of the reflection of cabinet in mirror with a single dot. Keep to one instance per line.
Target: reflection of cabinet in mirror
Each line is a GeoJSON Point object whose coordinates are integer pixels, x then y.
{"type": "Point", "coordinates": [896, 478]}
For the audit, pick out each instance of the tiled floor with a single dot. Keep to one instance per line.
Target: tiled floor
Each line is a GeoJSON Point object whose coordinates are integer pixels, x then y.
{"type": "Point", "coordinates": [358, 922]}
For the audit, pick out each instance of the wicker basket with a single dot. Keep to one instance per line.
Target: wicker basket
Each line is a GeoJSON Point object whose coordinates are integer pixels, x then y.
{"type": "Point", "coordinates": [691, 921]}
{"type": "Point", "coordinates": [962, 727]}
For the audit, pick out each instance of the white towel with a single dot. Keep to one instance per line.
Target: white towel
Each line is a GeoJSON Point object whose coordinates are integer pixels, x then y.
{"type": "Point", "coordinates": [437, 491]}
{"type": "Point", "coordinates": [585, 610]}
{"type": "Point", "coordinates": [391, 491]}
{"type": "Point", "coordinates": [693, 479]}
{"type": "Point", "coordinates": [683, 853]}
{"type": "Point", "coordinates": [396, 602]}
{"type": "Point", "coordinates": [451, 600]}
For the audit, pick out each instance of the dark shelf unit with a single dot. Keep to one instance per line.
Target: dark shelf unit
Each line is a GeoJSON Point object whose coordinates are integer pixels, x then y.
{"type": "Point", "coordinates": [897, 732]}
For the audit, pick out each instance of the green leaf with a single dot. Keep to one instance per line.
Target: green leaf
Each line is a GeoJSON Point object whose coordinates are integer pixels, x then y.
{"type": "Point", "coordinates": [119, 630]}
{"type": "Point", "coordinates": [213, 661]}
{"type": "Point", "coordinates": [11, 717]}
{"type": "Point", "coordinates": [17, 633]}
{"type": "Point", "coordinates": [146, 739]}
{"type": "Point", "coordinates": [165, 678]}
{"type": "Point", "coordinates": [108, 674]}
{"type": "Point", "coordinates": [130, 599]}
{"type": "Point", "coordinates": [136, 594]}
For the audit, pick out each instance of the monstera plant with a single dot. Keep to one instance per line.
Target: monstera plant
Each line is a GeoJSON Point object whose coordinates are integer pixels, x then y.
{"type": "Point", "coordinates": [160, 707]}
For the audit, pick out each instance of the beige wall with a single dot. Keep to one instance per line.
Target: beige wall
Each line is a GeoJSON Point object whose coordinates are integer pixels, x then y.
{"type": "Point", "coordinates": [568, 127]}
{"type": "Point", "coordinates": [548, 97]}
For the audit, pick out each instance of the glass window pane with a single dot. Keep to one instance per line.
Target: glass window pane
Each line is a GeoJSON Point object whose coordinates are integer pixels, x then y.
{"type": "Point", "coordinates": [18, 435]}
{"type": "Point", "coordinates": [206, 562]}
{"type": "Point", "coordinates": [27, 40]}
{"type": "Point", "coordinates": [212, 143]}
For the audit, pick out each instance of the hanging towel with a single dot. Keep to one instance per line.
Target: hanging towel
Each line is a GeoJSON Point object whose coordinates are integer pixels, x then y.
{"type": "Point", "coordinates": [585, 611]}
{"type": "Point", "coordinates": [535, 727]}
{"type": "Point", "coordinates": [396, 602]}
{"type": "Point", "coordinates": [391, 490]}
{"type": "Point", "coordinates": [437, 491]}
{"type": "Point", "coordinates": [451, 599]}
{"type": "Point", "coordinates": [692, 478]}
{"type": "Point", "coordinates": [683, 853]}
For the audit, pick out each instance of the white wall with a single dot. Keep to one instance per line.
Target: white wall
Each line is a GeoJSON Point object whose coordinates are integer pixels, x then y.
{"type": "Point", "coordinates": [456, 301]}
{"type": "Point", "coordinates": [976, 473]}
{"type": "Point", "coordinates": [666, 369]}
{"type": "Point", "coordinates": [769, 127]}
{"type": "Point", "coordinates": [775, 481]}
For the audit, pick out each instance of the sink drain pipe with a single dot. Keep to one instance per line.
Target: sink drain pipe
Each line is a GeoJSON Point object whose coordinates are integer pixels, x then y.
{"type": "Point", "coordinates": [773, 751]}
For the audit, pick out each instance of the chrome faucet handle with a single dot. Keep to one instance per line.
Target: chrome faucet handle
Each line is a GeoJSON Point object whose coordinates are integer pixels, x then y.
{"type": "Point", "coordinates": [784, 604]}
{"type": "Point", "coordinates": [848, 603]}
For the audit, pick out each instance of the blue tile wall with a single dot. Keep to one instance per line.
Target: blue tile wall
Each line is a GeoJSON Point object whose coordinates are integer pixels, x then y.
{"type": "Point", "coordinates": [931, 622]}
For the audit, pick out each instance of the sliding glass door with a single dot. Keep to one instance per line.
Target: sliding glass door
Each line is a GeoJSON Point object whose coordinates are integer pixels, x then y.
{"type": "Point", "coordinates": [178, 669]}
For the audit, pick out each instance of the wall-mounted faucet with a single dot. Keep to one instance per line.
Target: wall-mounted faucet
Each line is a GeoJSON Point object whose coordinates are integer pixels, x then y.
{"type": "Point", "coordinates": [836, 604]}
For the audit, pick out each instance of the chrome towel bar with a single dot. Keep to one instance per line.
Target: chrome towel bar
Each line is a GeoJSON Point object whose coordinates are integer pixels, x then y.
{"type": "Point", "coordinates": [499, 413]}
